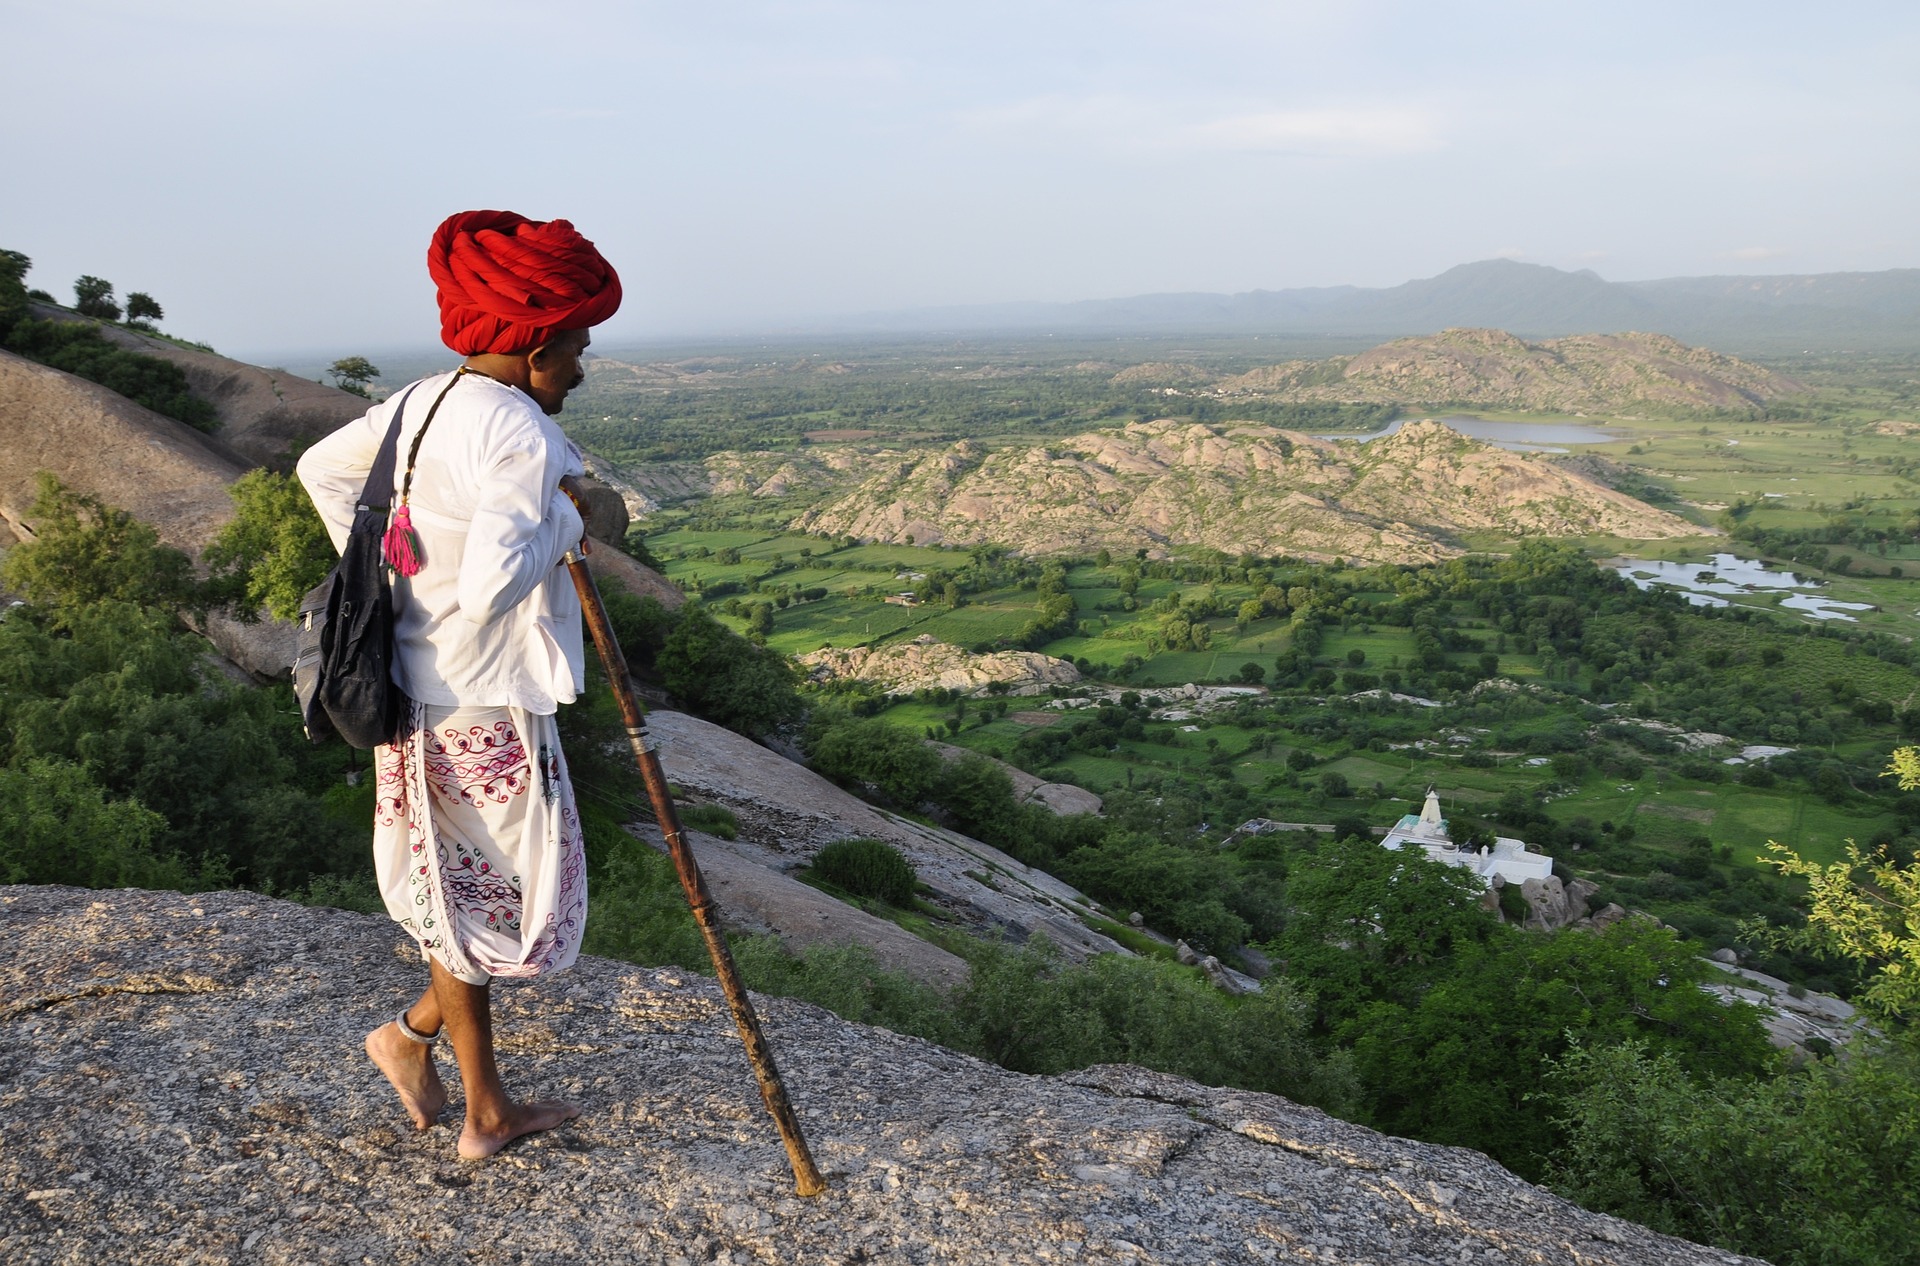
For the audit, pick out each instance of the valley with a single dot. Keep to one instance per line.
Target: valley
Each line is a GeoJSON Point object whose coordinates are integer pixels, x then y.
{"type": "Point", "coordinates": [1157, 518]}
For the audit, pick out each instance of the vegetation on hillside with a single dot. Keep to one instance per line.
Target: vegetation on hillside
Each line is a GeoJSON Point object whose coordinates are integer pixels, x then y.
{"type": "Point", "coordinates": [79, 348]}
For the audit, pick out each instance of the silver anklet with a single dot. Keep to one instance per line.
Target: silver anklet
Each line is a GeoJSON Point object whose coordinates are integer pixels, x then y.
{"type": "Point", "coordinates": [412, 1034]}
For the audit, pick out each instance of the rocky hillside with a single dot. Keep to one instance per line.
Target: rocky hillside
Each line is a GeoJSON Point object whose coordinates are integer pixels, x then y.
{"type": "Point", "coordinates": [786, 812]}
{"type": "Point", "coordinates": [159, 470]}
{"type": "Point", "coordinates": [1234, 487]}
{"type": "Point", "coordinates": [1587, 373]}
{"type": "Point", "coordinates": [174, 478]}
{"type": "Point", "coordinates": [184, 1084]}
{"type": "Point", "coordinates": [904, 667]}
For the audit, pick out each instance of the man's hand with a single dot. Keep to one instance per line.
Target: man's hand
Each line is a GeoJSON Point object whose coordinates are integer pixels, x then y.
{"type": "Point", "coordinates": [577, 493]}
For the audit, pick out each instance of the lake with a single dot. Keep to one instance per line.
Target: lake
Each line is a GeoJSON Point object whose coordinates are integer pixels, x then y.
{"type": "Point", "coordinates": [1519, 437]}
{"type": "Point", "coordinates": [1724, 576]}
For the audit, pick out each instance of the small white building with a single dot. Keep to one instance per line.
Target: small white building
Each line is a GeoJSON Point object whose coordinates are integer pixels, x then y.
{"type": "Point", "coordinates": [1509, 859]}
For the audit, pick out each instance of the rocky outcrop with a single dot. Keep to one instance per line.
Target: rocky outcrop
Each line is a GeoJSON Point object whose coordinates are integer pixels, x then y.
{"type": "Point", "coordinates": [163, 473]}
{"type": "Point", "coordinates": [1235, 487]}
{"type": "Point", "coordinates": [787, 812]}
{"type": "Point", "coordinates": [1552, 905]}
{"type": "Point", "coordinates": [903, 667]}
{"type": "Point", "coordinates": [756, 896]}
{"type": "Point", "coordinates": [175, 479]}
{"type": "Point", "coordinates": [1586, 373]}
{"type": "Point", "coordinates": [1796, 1019]}
{"type": "Point", "coordinates": [264, 413]}
{"type": "Point", "coordinates": [184, 1084]}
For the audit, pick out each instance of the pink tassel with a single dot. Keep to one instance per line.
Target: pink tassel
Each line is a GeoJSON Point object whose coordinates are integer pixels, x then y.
{"type": "Point", "coordinates": [400, 545]}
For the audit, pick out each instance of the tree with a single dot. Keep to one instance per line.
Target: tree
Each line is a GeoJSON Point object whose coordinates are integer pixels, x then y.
{"type": "Point", "coordinates": [93, 296]}
{"type": "Point", "coordinates": [58, 827]}
{"type": "Point", "coordinates": [1458, 1063]}
{"type": "Point", "coordinates": [713, 671]}
{"type": "Point", "coordinates": [1369, 922]}
{"type": "Point", "coordinates": [1811, 1167]}
{"type": "Point", "coordinates": [868, 750]}
{"type": "Point", "coordinates": [141, 306]}
{"type": "Point", "coordinates": [13, 290]}
{"type": "Point", "coordinates": [353, 373]}
{"type": "Point", "coordinates": [275, 549]}
{"type": "Point", "coordinates": [85, 552]}
{"type": "Point", "coordinates": [1865, 908]}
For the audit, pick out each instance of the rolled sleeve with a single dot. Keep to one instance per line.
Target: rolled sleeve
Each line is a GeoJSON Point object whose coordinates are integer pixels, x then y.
{"type": "Point", "coordinates": [523, 526]}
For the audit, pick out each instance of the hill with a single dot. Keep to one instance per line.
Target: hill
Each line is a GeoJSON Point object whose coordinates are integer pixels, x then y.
{"type": "Point", "coordinates": [1863, 311]}
{"type": "Point", "coordinates": [1587, 373]}
{"type": "Point", "coordinates": [174, 478]}
{"type": "Point", "coordinates": [185, 1086]}
{"type": "Point", "coordinates": [1235, 487]}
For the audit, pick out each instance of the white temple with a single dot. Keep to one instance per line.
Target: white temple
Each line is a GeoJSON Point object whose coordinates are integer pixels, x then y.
{"type": "Point", "coordinates": [1509, 859]}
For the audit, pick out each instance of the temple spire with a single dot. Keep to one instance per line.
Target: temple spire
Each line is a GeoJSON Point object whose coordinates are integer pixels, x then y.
{"type": "Point", "coordinates": [1430, 819]}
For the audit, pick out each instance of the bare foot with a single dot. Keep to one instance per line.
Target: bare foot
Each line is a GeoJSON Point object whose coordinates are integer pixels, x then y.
{"type": "Point", "coordinates": [521, 1119]}
{"type": "Point", "coordinates": [409, 1066]}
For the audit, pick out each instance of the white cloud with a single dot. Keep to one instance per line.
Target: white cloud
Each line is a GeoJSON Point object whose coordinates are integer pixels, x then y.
{"type": "Point", "coordinates": [1751, 253]}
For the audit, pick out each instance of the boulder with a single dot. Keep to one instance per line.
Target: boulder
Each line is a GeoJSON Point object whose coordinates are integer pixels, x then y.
{"type": "Point", "coordinates": [185, 1083]}
{"type": "Point", "coordinates": [903, 667]}
{"type": "Point", "coordinates": [1552, 905]}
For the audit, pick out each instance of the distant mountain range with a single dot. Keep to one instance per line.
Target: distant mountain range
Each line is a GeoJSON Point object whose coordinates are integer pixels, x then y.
{"type": "Point", "coordinates": [1877, 311]}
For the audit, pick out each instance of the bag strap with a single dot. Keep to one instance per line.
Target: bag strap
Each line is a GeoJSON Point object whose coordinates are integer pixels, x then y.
{"type": "Point", "coordinates": [413, 450]}
{"type": "Point", "coordinates": [400, 545]}
{"type": "Point", "coordinates": [381, 476]}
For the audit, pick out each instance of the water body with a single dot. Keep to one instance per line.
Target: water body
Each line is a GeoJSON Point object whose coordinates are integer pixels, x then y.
{"type": "Point", "coordinates": [1703, 584]}
{"type": "Point", "coordinates": [1518, 437]}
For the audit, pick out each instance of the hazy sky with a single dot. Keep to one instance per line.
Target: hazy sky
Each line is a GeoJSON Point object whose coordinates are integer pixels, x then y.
{"type": "Point", "coordinates": [271, 170]}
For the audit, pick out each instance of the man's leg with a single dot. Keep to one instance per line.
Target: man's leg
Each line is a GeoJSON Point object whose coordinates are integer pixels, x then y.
{"type": "Point", "coordinates": [409, 1064]}
{"type": "Point", "coordinates": [493, 1120]}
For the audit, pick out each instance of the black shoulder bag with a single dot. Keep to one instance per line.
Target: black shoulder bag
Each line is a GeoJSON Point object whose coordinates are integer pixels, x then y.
{"type": "Point", "coordinates": [343, 671]}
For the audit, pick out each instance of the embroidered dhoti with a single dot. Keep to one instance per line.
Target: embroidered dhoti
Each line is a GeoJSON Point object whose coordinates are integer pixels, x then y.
{"type": "Point", "coordinates": [477, 842]}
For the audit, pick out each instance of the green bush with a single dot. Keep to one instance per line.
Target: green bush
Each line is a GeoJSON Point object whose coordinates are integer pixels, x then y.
{"type": "Point", "coordinates": [85, 552]}
{"type": "Point", "coordinates": [274, 549]}
{"type": "Point", "coordinates": [146, 380]}
{"type": "Point", "coordinates": [714, 819]}
{"type": "Point", "coordinates": [867, 868]}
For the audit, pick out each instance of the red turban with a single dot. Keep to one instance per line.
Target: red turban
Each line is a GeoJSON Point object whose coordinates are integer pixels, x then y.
{"type": "Point", "coordinates": [508, 283]}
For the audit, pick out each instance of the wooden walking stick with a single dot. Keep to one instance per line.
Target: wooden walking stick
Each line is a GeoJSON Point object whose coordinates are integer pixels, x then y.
{"type": "Point", "coordinates": [806, 1177]}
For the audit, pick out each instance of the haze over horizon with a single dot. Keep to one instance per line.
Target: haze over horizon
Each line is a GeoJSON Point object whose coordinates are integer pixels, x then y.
{"type": "Point", "coordinates": [271, 174]}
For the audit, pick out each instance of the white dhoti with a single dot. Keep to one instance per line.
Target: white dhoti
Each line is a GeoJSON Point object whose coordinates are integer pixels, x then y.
{"type": "Point", "coordinates": [477, 842]}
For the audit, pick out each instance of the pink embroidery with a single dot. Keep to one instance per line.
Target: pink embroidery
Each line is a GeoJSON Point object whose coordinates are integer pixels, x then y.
{"type": "Point", "coordinates": [479, 762]}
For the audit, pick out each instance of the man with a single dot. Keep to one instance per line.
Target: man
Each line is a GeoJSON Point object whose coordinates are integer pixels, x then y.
{"type": "Point", "coordinates": [477, 843]}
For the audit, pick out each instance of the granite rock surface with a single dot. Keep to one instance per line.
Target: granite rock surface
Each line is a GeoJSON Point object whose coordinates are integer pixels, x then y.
{"type": "Point", "coordinates": [181, 1082]}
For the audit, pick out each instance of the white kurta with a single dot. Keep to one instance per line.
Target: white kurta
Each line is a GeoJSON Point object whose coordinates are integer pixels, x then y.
{"type": "Point", "coordinates": [476, 839]}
